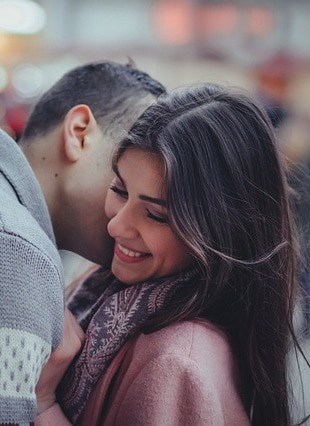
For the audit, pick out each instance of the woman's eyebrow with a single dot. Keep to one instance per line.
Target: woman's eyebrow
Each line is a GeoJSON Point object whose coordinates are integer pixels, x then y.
{"type": "Point", "coordinates": [142, 197]}
{"type": "Point", "coordinates": [158, 201]}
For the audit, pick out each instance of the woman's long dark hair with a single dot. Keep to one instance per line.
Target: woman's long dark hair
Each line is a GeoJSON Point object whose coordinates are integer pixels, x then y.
{"type": "Point", "coordinates": [228, 201]}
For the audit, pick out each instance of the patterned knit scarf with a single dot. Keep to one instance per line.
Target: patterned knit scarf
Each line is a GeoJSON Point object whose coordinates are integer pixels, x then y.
{"type": "Point", "coordinates": [111, 313]}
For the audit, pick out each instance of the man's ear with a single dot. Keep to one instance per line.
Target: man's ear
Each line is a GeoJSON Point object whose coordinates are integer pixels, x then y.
{"type": "Point", "coordinates": [79, 123]}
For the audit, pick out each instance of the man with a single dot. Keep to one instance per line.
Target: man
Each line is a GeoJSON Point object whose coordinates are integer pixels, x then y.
{"type": "Point", "coordinates": [52, 193]}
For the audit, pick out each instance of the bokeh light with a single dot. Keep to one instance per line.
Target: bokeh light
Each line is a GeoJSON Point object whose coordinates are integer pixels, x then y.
{"type": "Point", "coordinates": [21, 17]}
{"type": "Point", "coordinates": [27, 80]}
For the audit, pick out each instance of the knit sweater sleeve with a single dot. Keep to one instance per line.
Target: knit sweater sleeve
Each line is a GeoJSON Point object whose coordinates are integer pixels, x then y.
{"type": "Point", "coordinates": [31, 321]}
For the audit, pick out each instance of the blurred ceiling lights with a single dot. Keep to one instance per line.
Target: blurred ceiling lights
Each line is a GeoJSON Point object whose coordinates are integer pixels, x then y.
{"type": "Point", "coordinates": [21, 17]}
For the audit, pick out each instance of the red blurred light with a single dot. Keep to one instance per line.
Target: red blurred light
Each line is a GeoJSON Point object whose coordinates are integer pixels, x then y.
{"type": "Point", "coordinates": [217, 19]}
{"type": "Point", "coordinates": [260, 21]}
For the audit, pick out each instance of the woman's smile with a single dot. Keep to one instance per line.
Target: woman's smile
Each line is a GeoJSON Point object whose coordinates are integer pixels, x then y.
{"type": "Point", "coordinates": [127, 255]}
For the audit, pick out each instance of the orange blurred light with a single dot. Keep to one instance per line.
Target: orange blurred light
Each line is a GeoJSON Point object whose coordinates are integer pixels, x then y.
{"type": "Point", "coordinates": [13, 47]}
{"type": "Point", "coordinates": [172, 21]}
{"type": "Point", "coordinates": [4, 44]}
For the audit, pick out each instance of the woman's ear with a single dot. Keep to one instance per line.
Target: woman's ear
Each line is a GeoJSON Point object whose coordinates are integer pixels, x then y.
{"type": "Point", "coordinates": [79, 124]}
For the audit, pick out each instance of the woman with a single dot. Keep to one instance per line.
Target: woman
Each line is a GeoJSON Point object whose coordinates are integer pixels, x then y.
{"type": "Point", "coordinates": [195, 321]}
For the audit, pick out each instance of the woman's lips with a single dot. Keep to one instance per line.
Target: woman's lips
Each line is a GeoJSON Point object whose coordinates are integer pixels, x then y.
{"type": "Point", "coordinates": [129, 256]}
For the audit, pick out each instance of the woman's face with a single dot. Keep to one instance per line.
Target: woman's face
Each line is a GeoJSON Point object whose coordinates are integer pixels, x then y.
{"type": "Point", "coordinates": [145, 245]}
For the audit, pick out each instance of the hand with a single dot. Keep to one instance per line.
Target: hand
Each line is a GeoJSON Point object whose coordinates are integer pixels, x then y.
{"type": "Point", "coordinates": [58, 363]}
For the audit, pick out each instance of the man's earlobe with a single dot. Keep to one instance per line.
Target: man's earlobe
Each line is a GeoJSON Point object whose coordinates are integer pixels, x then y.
{"type": "Point", "coordinates": [77, 127]}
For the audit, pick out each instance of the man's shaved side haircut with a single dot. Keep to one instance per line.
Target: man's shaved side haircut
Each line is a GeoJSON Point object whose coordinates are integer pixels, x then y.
{"type": "Point", "coordinates": [116, 94]}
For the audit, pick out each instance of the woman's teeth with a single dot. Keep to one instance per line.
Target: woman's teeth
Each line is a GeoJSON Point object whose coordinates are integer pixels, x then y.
{"type": "Point", "coordinates": [130, 253]}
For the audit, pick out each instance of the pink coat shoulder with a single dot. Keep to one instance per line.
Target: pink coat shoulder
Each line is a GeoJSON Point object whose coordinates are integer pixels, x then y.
{"type": "Point", "coordinates": [183, 374]}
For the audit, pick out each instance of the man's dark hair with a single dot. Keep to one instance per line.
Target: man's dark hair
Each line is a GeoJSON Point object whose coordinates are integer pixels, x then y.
{"type": "Point", "coordinates": [117, 94]}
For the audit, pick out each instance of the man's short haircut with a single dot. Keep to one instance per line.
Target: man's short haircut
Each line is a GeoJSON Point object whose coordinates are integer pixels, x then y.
{"type": "Point", "coordinates": [116, 94]}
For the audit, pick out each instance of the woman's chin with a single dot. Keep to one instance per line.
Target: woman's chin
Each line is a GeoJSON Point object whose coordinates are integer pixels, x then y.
{"type": "Point", "coordinates": [123, 277]}
{"type": "Point", "coordinates": [126, 279]}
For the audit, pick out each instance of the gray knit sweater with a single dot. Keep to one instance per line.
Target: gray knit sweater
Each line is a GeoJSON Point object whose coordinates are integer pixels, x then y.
{"type": "Point", "coordinates": [31, 285]}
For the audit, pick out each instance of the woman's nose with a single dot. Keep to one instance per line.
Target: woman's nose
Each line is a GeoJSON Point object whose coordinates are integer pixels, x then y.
{"type": "Point", "coordinates": [123, 224]}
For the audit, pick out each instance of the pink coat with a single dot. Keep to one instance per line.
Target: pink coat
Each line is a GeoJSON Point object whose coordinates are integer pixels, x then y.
{"type": "Point", "coordinates": [184, 374]}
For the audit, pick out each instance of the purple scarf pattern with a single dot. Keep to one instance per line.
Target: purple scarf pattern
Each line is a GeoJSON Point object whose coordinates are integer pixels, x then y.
{"type": "Point", "coordinates": [109, 321]}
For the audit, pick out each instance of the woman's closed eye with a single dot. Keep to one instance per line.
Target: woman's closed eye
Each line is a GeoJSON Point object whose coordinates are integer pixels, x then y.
{"type": "Point", "coordinates": [119, 191]}
{"type": "Point", "coordinates": [156, 217]}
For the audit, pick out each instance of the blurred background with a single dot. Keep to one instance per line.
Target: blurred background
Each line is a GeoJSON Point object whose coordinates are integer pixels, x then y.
{"type": "Point", "coordinates": [261, 45]}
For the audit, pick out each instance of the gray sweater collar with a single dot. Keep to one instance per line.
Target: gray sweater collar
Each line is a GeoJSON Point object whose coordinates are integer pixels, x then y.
{"type": "Point", "coordinates": [18, 172]}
